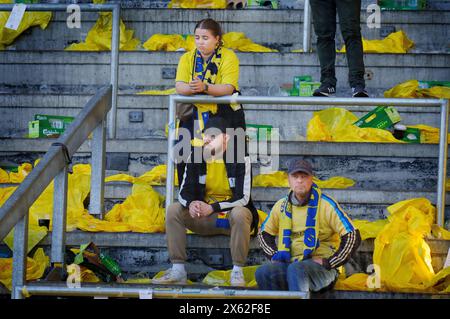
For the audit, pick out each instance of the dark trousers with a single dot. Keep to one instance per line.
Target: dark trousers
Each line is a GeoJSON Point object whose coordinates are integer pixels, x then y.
{"type": "Point", "coordinates": [324, 21]}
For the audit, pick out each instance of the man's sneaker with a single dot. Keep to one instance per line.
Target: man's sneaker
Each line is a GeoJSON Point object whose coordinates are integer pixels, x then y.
{"type": "Point", "coordinates": [237, 278]}
{"type": "Point", "coordinates": [171, 276]}
{"type": "Point", "coordinates": [359, 91]}
{"type": "Point", "coordinates": [325, 90]}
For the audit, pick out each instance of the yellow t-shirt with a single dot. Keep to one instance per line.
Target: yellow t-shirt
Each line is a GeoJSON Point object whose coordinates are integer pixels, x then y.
{"type": "Point", "coordinates": [217, 188]}
{"type": "Point", "coordinates": [332, 223]}
{"type": "Point", "coordinates": [228, 72]}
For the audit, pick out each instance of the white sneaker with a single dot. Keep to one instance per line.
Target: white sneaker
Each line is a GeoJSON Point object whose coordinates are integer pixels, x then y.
{"type": "Point", "coordinates": [237, 278]}
{"type": "Point", "coordinates": [171, 276]}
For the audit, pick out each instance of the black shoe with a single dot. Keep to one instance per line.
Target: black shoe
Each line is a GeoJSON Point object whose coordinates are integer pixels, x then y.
{"type": "Point", "coordinates": [325, 90]}
{"type": "Point", "coordinates": [359, 91]}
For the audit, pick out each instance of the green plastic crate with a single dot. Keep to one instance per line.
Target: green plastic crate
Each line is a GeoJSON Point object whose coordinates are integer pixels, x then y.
{"type": "Point", "coordinates": [254, 132]}
{"type": "Point", "coordinates": [381, 117]}
{"type": "Point", "coordinates": [402, 4]}
{"type": "Point", "coordinates": [429, 84]}
{"type": "Point", "coordinates": [307, 88]}
{"type": "Point", "coordinates": [48, 125]}
{"type": "Point", "coordinates": [296, 83]}
{"type": "Point", "coordinates": [412, 135]}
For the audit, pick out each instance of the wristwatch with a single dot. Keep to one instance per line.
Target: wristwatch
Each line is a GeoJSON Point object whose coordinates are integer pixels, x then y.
{"type": "Point", "coordinates": [206, 87]}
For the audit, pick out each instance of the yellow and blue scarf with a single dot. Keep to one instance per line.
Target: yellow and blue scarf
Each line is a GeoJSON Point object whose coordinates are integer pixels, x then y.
{"type": "Point", "coordinates": [311, 238]}
{"type": "Point", "coordinates": [208, 75]}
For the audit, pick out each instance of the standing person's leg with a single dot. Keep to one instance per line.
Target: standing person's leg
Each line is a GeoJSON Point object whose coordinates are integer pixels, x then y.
{"type": "Point", "coordinates": [349, 21]}
{"type": "Point", "coordinates": [272, 276]}
{"type": "Point", "coordinates": [324, 21]}
{"type": "Point", "coordinates": [308, 276]}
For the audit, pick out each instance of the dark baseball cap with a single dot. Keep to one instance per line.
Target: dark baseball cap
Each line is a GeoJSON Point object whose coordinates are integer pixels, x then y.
{"type": "Point", "coordinates": [299, 165]}
{"type": "Point", "coordinates": [217, 122]}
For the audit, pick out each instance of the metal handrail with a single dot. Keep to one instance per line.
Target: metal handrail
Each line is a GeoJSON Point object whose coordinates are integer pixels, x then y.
{"type": "Point", "coordinates": [146, 291]}
{"type": "Point", "coordinates": [302, 101]}
{"type": "Point", "coordinates": [54, 165]}
{"type": "Point", "coordinates": [115, 40]}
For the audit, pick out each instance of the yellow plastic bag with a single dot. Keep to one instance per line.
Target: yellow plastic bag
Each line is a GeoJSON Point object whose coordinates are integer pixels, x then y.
{"type": "Point", "coordinates": [35, 234]}
{"type": "Point", "coordinates": [5, 193]}
{"type": "Point", "coordinates": [22, 173]}
{"type": "Point", "coordinates": [354, 282]}
{"type": "Point", "coordinates": [156, 176]}
{"type": "Point", "coordinates": [99, 37]}
{"type": "Point", "coordinates": [35, 268]}
{"type": "Point", "coordinates": [198, 4]}
{"type": "Point", "coordinates": [410, 89]}
{"type": "Point", "coordinates": [400, 249]}
{"type": "Point", "coordinates": [4, 176]}
{"type": "Point", "coordinates": [396, 42]}
{"type": "Point", "coordinates": [404, 90]}
{"type": "Point", "coordinates": [280, 179]}
{"type": "Point", "coordinates": [439, 92]}
{"type": "Point", "coordinates": [166, 42]}
{"type": "Point", "coordinates": [143, 210]}
{"type": "Point", "coordinates": [89, 223]}
{"type": "Point", "coordinates": [174, 42]}
{"type": "Point", "coordinates": [441, 282]}
{"type": "Point", "coordinates": [222, 277]}
{"type": "Point", "coordinates": [439, 232]}
{"type": "Point", "coordinates": [158, 92]}
{"type": "Point", "coordinates": [30, 19]}
{"type": "Point", "coordinates": [369, 229]}
{"type": "Point", "coordinates": [403, 256]}
{"type": "Point", "coordinates": [274, 179]}
{"type": "Point", "coordinates": [238, 41]}
{"type": "Point", "coordinates": [336, 125]}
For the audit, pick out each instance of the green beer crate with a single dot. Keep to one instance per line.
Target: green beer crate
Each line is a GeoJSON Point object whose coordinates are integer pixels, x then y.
{"type": "Point", "coordinates": [381, 117]}
{"type": "Point", "coordinates": [48, 125]}
{"type": "Point", "coordinates": [412, 135]}
{"type": "Point", "coordinates": [430, 84]}
{"type": "Point", "coordinates": [255, 132]}
{"type": "Point", "coordinates": [402, 4]}
{"type": "Point", "coordinates": [296, 84]}
{"type": "Point", "coordinates": [307, 88]}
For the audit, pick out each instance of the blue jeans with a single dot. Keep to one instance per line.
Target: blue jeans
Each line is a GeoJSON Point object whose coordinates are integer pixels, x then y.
{"type": "Point", "coordinates": [304, 276]}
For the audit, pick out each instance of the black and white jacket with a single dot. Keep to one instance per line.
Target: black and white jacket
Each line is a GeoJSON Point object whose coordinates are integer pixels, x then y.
{"type": "Point", "coordinates": [239, 179]}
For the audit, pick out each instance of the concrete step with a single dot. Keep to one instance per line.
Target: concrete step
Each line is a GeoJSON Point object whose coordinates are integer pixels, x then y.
{"type": "Point", "coordinates": [358, 203]}
{"type": "Point", "coordinates": [18, 109]}
{"type": "Point", "coordinates": [383, 173]}
{"type": "Point", "coordinates": [139, 70]}
{"type": "Point", "coordinates": [397, 166]}
{"type": "Point", "coordinates": [147, 253]}
{"type": "Point", "coordinates": [267, 27]}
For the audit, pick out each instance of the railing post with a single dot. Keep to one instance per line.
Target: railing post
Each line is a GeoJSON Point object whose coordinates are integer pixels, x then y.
{"type": "Point", "coordinates": [19, 271]}
{"type": "Point", "coordinates": [59, 217]}
{"type": "Point", "coordinates": [306, 27]}
{"type": "Point", "coordinates": [98, 161]}
{"type": "Point", "coordinates": [115, 41]}
{"type": "Point", "coordinates": [442, 170]}
{"type": "Point", "coordinates": [170, 160]}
